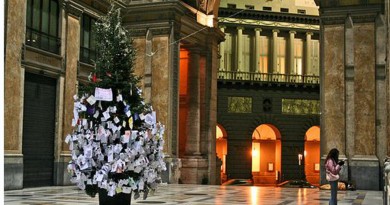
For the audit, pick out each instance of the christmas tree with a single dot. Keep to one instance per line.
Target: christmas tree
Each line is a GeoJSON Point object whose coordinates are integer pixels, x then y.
{"type": "Point", "coordinates": [117, 143]}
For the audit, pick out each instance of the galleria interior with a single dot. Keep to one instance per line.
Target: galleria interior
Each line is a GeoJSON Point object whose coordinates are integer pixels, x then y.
{"type": "Point", "coordinates": [246, 89]}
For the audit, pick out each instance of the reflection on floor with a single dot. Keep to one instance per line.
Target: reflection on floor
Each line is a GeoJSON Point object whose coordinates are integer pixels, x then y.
{"type": "Point", "coordinates": [198, 195]}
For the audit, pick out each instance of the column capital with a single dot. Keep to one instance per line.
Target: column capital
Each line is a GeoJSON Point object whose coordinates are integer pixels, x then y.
{"type": "Point", "coordinates": [222, 27]}
{"type": "Point", "coordinates": [309, 33]}
{"type": "Point", "coordinates": [292, 32]}
{"type": "Point", "coordinates": [240, 28]}
{"type": "Point", "coordinates": [275, 31]}
{"type": "Point", "coordinates": [194, 50]}
{"type": "Point", "coordinates": [258, 29]}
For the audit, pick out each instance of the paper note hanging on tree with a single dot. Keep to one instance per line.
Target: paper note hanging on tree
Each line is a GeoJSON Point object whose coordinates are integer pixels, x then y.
{"type": "Point", "coordinates": [91, 100]}
{"type": "Point", "coordinates": [103, 94]}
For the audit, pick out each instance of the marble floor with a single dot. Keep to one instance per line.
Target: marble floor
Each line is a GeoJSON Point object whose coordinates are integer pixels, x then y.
{"type": "Point", "coordinates": [198, 195]}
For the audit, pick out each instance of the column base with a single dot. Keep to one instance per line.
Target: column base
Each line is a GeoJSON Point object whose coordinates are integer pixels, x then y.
{"type": "Point", "coordinates": [172, 174]}
{"type": "Point", "coordinates": [61, 175]}
{"type": "Point", "coordinates": [365, 172]}
{"type": "Point", "coordinates": [194, 170]}
{"type": "Point", "coordinates": [13, 171]}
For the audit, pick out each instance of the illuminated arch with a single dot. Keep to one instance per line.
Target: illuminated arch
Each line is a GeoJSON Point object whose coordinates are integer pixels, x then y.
{"type": "Point", "coordinates": [266, 132]}
{"type": "Point", "coordinates": [221, 149]}
{"type": "Point", "coordinates": [266, 154]}
{"type": "Point", "coordinates": [312, 155]}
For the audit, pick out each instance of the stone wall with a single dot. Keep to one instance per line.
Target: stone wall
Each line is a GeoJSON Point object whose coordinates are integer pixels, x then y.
{"type": "Point", "coordinates": [353, 91]}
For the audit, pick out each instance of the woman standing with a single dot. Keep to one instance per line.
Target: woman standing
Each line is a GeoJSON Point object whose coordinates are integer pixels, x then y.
{"type": "Point", "coordinates": [333, 167]}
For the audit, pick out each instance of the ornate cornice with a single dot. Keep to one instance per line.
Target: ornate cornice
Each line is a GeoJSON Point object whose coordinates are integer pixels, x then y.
{"type": "Point", "coordinates": [273, 24]}
{"type": "Point", "coordinates": [268, 16]}
{"type": "Point", "coordinates": [72, 8]}
{"type": "Point", "coordinates": [358, 14]}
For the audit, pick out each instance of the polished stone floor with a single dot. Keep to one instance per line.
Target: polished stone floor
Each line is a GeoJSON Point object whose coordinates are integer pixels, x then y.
{"type": "Point", "coordinates": [198, 195]}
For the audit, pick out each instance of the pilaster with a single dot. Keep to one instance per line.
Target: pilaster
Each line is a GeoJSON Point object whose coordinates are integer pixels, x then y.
{"type": "Point", "coordinates": [239, 48]}
{"type": "Point", "coordinates": [257, 49]}
{"type": "Point", "coordinates": [13, 93]}
{"type": "Point", "coordinates": [222, 51]}
{"type": "Point", "coordinates": [193, 119]}
{"type": "Point", "coordinates": [291, 55]}
{"type": "Point", "coordinates": [308, 57]}
{"type": "Point", "coordinates": [274, 49]}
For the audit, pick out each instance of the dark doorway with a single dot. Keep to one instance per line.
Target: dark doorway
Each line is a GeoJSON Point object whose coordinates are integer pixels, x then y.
{"type": "Point", "coordinates": [38, 130]}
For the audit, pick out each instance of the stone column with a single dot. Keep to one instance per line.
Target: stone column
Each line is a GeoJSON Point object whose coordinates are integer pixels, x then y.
{"type": "Point", "coordinates": [349, 72]}
{"type": "Point", "coordinates": [148, 67]}
{"type": "Point", "coordinates": [72, 15]}
{"type": "Point", "coordinates": [193, 119]}
{"type": "Point", "coordinates": [13, 93]}
{"type": "Point", "coordinates": [332, 91]}
{"type": "Point", "coordinates": [291, 54]}
{"type": "Point", "coordinates": [365, 159]}
{"type": "Point", "coordinates": [211, 105]}
{"type": "Point", "coordinates": [194, 166]}
{"type": "Point", "coordinates": [308, 58]}
{"type": "Point", "coordinates": [349, 89]}
{"type": "Point", "coordinates": [222, 51]}
{"type": "Point", "coordinates": [381, 105]}
{"type": "Point", "coordinates": [257, 49]}
{"type": "Point", "coordinates": [239, 48]}
{"type": "Point", "coordinates": [274, 48]}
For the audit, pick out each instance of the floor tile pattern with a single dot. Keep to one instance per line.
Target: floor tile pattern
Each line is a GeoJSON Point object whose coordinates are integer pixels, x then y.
{"type": "Point", "coordinates": [173, 194]}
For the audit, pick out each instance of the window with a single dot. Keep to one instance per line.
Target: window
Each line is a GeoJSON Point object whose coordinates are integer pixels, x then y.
{"type": "Point", "coordinates": [284, 10]}
{"type": "Point", "coordinates": [228, 52]}
{"type": "Point", "coordinates": [246, 53]}
{"type": "Point", "coordinates": [301, 11]}
{"type": "Point", "coordinates": [266, 8]}
{"type": "Point", "coordinates": [298, 53]}
{"type": "Point", "coordinates": [263, 67]}
{"type": "Point", "coordinates": [231, 6]}
{"type": "Point", "coordinates": [87, 41]}
{"type": "Point", "coordinates": [315, 58]}
{"type": "Point", "coordinates": [250, 7]}
{"type": "Point", "coordinates": [42, 25]}
{"type": "Point", "coordinates": [281, 56]}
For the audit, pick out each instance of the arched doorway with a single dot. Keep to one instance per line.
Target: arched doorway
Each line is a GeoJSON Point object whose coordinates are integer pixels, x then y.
{"type": "Point", "coordinates": [266, 155]}
{"type": "Point", "coordinates": [221, 149]}
{"type": "Point", "coordinates": [312, 155]}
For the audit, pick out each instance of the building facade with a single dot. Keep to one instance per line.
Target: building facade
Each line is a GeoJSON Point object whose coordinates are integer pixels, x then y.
{"type": "Point", "coordinates": [50, 50]}
{"type": "Point", "coordinates": [268, 91]}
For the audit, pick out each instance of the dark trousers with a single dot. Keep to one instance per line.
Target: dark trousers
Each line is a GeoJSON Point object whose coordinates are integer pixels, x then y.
{"type": "Point", "coordinates": [333, 192]}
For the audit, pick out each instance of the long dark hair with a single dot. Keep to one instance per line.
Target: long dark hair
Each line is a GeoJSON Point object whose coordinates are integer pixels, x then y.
{"type": "Point", "coordinates": [333, 154]}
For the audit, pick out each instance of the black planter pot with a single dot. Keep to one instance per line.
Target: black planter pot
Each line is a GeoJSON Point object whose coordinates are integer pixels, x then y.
{"type": "Point", "coordinates": [117, 199]}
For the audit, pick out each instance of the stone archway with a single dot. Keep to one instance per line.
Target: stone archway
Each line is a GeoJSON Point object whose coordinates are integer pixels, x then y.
{"type": "Point", "coordinates": [221, 150]}
{"type": "Point", "coordinates": [266, 154]}
{"type": "Point", "coordinates": [312, 155]}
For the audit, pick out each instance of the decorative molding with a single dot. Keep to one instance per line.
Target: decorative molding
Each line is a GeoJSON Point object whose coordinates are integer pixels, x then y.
{"type": "Point", "coordinates": [380, 72]}
{"type": "Point", "coordinates": [72, 8]}
{"type": "Point", "coordinates": [300, 107]}
{"type": "Point", "coordinates": [349, 73]}
{"type": "Point", "coordinates": [268, 16]}
{"type": "Point", "coordinates": [253, 22]}
{"type": "Point", "coordinates": [358, 14]}
{"type": "Point", "coordinates": [23, 51]}
{"type": "Point", "coordinates": [239, 105]}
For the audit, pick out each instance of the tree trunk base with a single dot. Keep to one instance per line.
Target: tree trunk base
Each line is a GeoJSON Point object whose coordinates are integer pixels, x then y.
{"type": "Point", "coordinates": [117, 199]}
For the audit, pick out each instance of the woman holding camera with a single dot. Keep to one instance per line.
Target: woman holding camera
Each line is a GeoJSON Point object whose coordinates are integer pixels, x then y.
{"type": "Point", "coordinates": [332, 168]}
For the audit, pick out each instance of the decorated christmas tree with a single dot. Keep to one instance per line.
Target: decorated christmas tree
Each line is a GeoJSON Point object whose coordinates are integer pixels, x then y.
{"type": "Point", "coordinates": [117, 142]}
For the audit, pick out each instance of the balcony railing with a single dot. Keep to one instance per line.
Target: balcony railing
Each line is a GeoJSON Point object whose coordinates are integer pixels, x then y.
{"type": "Point", "coordinates": [43, 41]}
{"type": "Point", "coordinates": [268, 77]}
